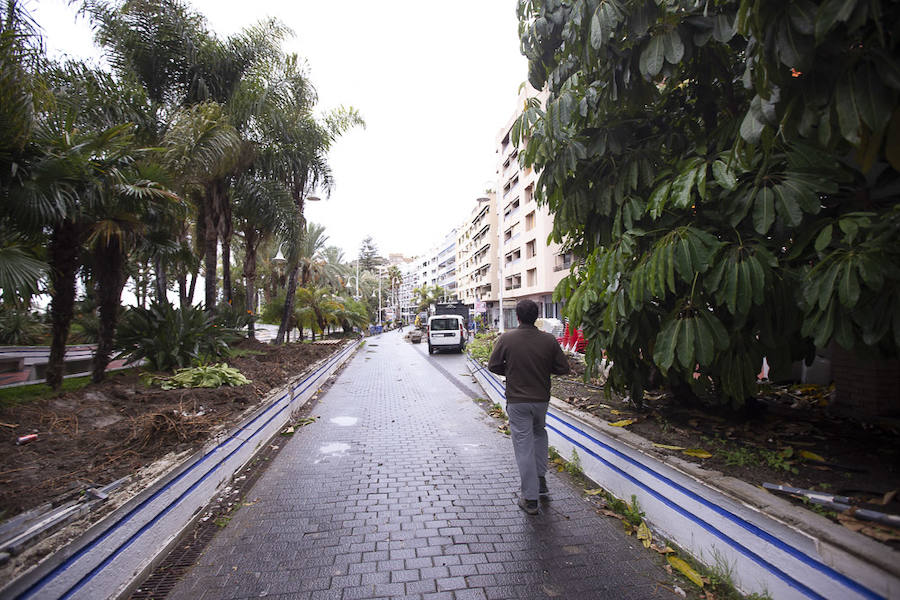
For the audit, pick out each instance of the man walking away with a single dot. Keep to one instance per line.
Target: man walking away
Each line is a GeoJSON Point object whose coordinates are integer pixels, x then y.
{"type": "Point", "coordinates": [527, 356]}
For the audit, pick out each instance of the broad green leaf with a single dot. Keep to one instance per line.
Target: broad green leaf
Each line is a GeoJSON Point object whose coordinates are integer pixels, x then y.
{"type": "Point", "coordinates": [830, 13]}
{"type": "Point", "coordinates": [764, 210]}
{"type": "Point", "coordinates": [872, 97]}
{"type": "Point", "coordinates": [658, 199]}
{"type": "Point", "coordinates": [824, 238]}
{"type": "Point", "coordinates": [681, 188]}
{"type": "Point", "coordinates": [827, 284]}
{"type": "Point", "coordinates": [664, 348]}
{"type": "Point", "coordinates": [652, 57]}
{"type": "Point", "coordinates": [701, 180]}
{"type": "Point", "coordinates": [751, 128]}
{"type": "Point", "coordinates": [744, 288]}
{"type": "Point", "coordinates": [847, 107]}
{"type": "Point", "coordinates": [685, 343]}
{"type": "Point", "coordinates": [704, 342]}
{"type": "Point", "coordinates": [850, 228]}
{"type": "Point", "coordinates": [790, 45]}
{"type": "Point", "coordinates": [673, 47]}
{"type": "Point", "coordinates": [757, 278]}
{"type": "Point", "coordinates": [683, 260]}
{"type": "Point", "coordinates": [788, 209]}
{"type": "Point", "coordinates": [802, 14]}
{"type": "Point", "coordinates": [722, 29]}
{"type": "Point", "coordinates": [848, 291]}
{"type": "Point", "coordinates": [730, 289]}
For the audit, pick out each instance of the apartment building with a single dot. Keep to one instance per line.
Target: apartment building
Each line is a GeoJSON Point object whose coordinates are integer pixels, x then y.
{"type": "Point", "coordinates": [437, 266]}
{"type": "Point", "coordinates": [476, 264]}
{"type": "Point", "coordinates": [529, 266]}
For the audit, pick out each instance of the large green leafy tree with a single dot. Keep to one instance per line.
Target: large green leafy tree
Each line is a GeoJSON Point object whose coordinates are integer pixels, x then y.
{"type": "Point", "coordinates": [727, 171]}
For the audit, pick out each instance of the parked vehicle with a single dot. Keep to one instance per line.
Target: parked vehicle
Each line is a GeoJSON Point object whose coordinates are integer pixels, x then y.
{"type": "Point", "coordinates": [452, 308]}
{"type": "Point", "coordinates": [446, 332]}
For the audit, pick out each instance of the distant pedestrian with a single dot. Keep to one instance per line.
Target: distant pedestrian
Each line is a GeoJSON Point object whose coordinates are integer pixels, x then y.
{"type": "Point", "coordinates": [528, 356]}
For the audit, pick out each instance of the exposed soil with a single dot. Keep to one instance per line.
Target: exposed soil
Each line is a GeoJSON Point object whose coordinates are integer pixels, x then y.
{"type": "Point", "coordinates": [790, 436]}
{"type": "Point", "coordinates": [103, 432]}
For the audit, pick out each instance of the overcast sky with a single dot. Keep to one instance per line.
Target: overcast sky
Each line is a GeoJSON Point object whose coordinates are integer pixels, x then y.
{"type": "Point", "coordinates": [435, 82]}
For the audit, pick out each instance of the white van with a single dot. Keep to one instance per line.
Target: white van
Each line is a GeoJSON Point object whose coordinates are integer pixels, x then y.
{"type": "Point", "coordinates": [446, 332]}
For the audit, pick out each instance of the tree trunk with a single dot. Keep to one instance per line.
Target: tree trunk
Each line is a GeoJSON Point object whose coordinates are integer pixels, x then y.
{"type": "Point", "coordinates": [64, 249]}
{"type": "Point", "coordinates": [225, 233]}
{"type": "Point", "coordinates": [289, 295]}
{"type": "Point", "coordinates": [251, 239]}
{"type": "Point", "coordinates": [161, 280]}
{"type": "Point", "coordinates": [211, 239]}
{"type": "Point", "coordinates": [110, 264]}
{"type": "Point", "coordinates": [182, 290]}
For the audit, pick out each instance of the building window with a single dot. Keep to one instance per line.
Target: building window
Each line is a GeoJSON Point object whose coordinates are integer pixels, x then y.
{"type": "Point", "coordinates": [563, 261]}
{"type": "Point", "coordinates": [531, 249]}
{"type": "Point", "coordinates": [529, 221]}
{"type": "Point", "coordinates": [532, 277]}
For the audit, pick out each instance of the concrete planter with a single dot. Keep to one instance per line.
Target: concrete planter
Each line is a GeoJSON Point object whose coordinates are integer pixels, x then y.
{"type": "Point", "coordinates": [769, 545]}
{"type": "Point", "coordinates": [124, 546]}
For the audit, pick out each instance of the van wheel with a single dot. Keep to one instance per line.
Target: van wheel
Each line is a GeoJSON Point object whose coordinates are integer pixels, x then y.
{"type": "Point", "coordinates": [430, 349]}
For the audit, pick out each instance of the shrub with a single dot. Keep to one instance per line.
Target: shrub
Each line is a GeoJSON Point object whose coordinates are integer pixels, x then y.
{"type": "Point", "coordinates": [20, 328]}
{"type": "Point", "coordinates": [481, 346]}
{"type": "Point", "coordinates": [204, 376]}
{"type": "Point", "coordinates": [168, 337]}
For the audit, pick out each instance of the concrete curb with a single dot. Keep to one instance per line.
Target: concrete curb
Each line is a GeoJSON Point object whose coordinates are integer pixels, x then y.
{"type": "Point", "coordinates": [111, 555]}
{"type": "Point", "coordinates": [769, 545]}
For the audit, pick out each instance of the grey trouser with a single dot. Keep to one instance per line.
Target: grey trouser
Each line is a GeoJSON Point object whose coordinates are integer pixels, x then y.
{"type": "Point", "coordinates": [529, 437]}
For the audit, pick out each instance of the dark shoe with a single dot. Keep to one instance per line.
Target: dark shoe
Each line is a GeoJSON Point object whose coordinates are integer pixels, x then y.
{"type": "Point", "coordinates": [529, 506]}
{"type": "Point", "coordinates": [542, 486]}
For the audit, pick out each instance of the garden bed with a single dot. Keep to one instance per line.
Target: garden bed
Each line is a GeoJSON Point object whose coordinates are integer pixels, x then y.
{"type": "Point", "coordinates": [102, 432]}
{"type": "Point", "coordinates": [790, 435]}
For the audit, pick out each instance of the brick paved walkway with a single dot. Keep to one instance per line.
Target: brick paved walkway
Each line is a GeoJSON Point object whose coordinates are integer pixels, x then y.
{"type": "Point", "coordinates": [405, 489]}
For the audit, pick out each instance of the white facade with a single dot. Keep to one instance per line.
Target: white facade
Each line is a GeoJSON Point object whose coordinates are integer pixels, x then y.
{"type": "Point", "coordinates": [476, 264]}
{"type": "Point", "coordinates": [529, 266]}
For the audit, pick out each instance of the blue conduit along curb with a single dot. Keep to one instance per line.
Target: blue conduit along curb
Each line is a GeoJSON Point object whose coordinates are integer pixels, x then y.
{"type": "Point", "coordinates": [807, 572]}
{"type": "Point", "coordinates": [45, 585]}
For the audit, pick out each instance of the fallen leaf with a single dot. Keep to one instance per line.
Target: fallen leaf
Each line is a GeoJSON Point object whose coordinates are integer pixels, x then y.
{"type": "Point", "coordinates": [666, 550]}
{"type": "Point", "coordinates": [811, 456]}
{"type": "Point", "coordinates": [685, 570]}
{"type": "Point", "coordinates": [594, 491]}
{"type": "Point", "coordinates": [644, 534]}
{"type": "Point", "coordinates": [622, 423]}
{"type": "Point", "coordinates": [697, 453]}
{"type": "Point", "coordinates": [889, 497]}
{"type": "Point", "coordinates": [616, 412]}
{"type": "Point", "coordinates": [668, 447]}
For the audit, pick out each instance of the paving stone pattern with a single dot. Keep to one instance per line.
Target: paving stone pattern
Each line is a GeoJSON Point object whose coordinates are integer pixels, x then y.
{"type": "Point", "coordinates": [404, 488]}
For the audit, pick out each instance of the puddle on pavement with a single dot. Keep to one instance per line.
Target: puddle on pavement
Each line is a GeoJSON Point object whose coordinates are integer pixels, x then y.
{"type": "Point", "coordinates": [334, 448]}
{"type": "Point", "coordinates": [344, 421]}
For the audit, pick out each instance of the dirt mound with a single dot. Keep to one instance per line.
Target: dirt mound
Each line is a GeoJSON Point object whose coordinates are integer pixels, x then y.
{"type": "Point", "coordinates": [105, 431]}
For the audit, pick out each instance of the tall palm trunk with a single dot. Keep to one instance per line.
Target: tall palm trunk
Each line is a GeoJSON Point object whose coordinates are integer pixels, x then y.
{"type": "Point", "coordinates": [212, 201]}
{"type": "Point", "coordinates": [251, 238]}
{"type": "Point", "coordinates": [110, 266]}
{"type": "Point", "coordinates": [289, 295]}
{"type": "Point", "coordinates": [64, 245]}
{"type": "Point", "coordinates": [226, 230]}
{"type": "Point", "coordinates": [161, 279]}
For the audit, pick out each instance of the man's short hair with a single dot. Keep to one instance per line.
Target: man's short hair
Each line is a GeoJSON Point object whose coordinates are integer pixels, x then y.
{"type": "Point", "coordinates": [527, 311]}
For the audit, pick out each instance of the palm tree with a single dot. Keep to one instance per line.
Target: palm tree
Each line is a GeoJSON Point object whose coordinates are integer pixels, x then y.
{"type": "Point", "coordinates": [317, 306]}
{"type": "Point", "coordinates": [428, 295]}
{"type": "Point", "coordinates": [333, 270]}
{"type": "Point", "coordinates": [261, 207]}
{"type": "Point", "coordinates": [181, 64]}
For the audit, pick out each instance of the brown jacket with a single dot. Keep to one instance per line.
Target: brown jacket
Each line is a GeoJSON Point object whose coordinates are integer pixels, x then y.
{"type": "Point", "coordinates": [527, 356]}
